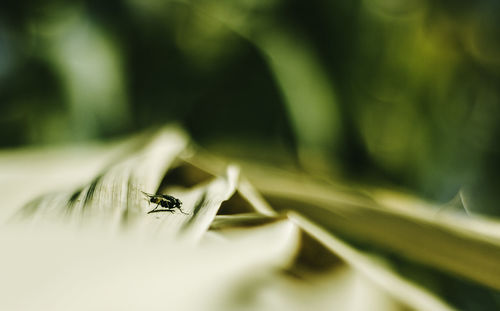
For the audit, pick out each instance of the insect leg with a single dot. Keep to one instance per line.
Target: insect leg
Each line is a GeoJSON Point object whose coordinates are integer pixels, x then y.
{"type": "Point", "coordinates": [183, 211]}
{"type": "Point", "coordinates": [160, 210]}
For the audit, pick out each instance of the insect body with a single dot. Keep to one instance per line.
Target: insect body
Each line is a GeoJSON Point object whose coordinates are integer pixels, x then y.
{"type": "Point", "coordinates": [167, 202]}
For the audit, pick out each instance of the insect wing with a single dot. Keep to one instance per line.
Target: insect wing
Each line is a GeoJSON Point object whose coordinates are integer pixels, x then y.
{"type": "Point", "coordinates": [157, 197]}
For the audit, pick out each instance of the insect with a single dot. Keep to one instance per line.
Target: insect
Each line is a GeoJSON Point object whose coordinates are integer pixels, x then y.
{"type": "Point", "coordinates": [167, 202]}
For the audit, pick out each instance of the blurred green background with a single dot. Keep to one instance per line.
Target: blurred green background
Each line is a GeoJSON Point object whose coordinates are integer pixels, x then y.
{"type": "Point", "coordinates": [390, 92]}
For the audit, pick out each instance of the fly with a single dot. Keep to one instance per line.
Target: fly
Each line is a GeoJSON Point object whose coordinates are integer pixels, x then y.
{"type": "Point", "coordinates": [167, 202]}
